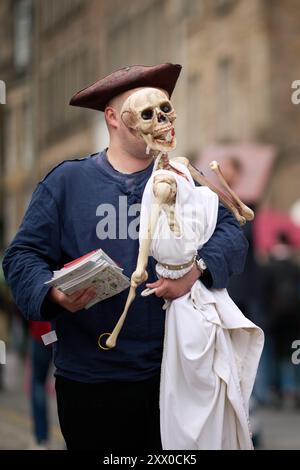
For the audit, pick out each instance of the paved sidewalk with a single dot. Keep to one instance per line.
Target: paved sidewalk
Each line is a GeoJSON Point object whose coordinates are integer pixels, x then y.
{"type": "Point", "coordinates": [280, 429]}
{"type": "Point", "coordinates": [15, 420]}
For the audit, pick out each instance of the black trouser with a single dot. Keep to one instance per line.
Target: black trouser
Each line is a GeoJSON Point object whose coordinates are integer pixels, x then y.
{"type": "Point", "coordinates": [109, 416]}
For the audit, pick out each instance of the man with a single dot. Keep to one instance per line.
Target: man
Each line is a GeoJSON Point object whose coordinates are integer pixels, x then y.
{"type": "Point", "coordinates": [41, 360]}
{"type": "Point", "coordinates": [281, 281]}
{"type": "Point", "coordinates": [107, 399]}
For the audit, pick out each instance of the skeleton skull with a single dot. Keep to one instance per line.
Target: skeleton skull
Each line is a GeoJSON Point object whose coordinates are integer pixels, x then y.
{"type": "Point", "coordinates": [150, 114]}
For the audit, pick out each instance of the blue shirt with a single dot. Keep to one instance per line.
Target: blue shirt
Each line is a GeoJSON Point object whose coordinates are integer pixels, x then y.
{"type": "Point", "coordinates": [82, 205]}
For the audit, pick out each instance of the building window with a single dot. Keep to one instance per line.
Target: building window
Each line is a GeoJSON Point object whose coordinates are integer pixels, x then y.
{"type": "Point", "coordinates": [27, 150]}
{"type": "Point", "coordinates": [193, 119]}
{"type": "Point", "coordinates": [68, 75]}
{"type": "Point", "coordinates": [22, 34]}
{"type": "Point", "coordinates": [10, 216]}
{"type": "Point", "coordinates": [126, 39]}
{"type": "Point", "coordinates": [225, 98]}
{"type": "Point", "coordinates": [224, 6]}
{"type": "Point", "coordinates": [10, 138]}
{"type": "Point", "coordinates": [18, 138]}
{"type": "Point", "coordinates": [192, 7]}
{"type": "Point", "coordinates": [56, 11]}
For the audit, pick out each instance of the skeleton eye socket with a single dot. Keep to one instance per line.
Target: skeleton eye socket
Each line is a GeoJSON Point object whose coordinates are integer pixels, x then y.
{"type": "Point", "coordinates": [166, 107]}
{"type": "Point", "coordinates": [147, 114]}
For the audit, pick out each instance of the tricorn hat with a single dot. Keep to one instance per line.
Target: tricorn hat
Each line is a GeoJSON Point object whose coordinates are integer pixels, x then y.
{"type": "Point", "coordinates": [97, 95]}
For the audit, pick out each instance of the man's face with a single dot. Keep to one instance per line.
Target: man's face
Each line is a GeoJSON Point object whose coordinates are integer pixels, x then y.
{"type": "Point", "coordinates": [126, 138]}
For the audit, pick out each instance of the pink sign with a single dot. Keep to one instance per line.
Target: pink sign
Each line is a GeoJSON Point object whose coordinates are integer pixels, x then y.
{"type": "Point", "coordinates": [256, 163]}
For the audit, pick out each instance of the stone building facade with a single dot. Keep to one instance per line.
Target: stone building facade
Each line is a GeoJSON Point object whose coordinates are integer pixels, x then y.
{"type": "Point", "coordinates": [16, 125]}
{"type": "Point", "coordinates": [240, 58]}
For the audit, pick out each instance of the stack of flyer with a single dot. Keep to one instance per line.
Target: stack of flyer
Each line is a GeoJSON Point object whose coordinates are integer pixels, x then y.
{"type": "Point", "coordinates": [95, 269]}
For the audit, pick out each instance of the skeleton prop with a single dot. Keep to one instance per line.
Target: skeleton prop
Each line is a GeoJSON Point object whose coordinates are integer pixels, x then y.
{"type": "Point", "coordinates": [211, 351]}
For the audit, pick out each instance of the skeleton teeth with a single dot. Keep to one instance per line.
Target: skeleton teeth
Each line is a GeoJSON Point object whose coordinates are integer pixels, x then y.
{"type": "Point", "coordinates": [165, 136]}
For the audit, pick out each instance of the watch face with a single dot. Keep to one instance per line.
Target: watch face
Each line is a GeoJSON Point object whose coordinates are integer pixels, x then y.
{"type": "Point", "coordinates": [202, 264]}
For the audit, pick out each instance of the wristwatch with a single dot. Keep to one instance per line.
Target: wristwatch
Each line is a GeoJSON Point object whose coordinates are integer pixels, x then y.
{"type": "Point", "coordinates": [200, 263]}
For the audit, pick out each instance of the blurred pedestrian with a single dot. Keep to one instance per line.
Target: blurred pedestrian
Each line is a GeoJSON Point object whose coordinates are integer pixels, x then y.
{"type": "Point", "coordinates": [245, 290]}
{"type": "Point", "coordinates": [41, 357]}
{"type": "Point", "coordinates": [281, 278]}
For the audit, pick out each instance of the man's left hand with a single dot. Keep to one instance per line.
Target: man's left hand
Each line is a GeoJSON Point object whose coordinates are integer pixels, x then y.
{"type": "Point", "coordinates": [171, 289]}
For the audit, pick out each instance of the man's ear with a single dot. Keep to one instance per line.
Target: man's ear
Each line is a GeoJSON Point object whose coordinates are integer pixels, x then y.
{"type": "Point", "coordinates": [111, 117]}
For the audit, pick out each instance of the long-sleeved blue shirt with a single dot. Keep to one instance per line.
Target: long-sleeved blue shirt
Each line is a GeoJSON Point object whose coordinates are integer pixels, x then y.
{"type": "Point", "coordinates": [82, 205]}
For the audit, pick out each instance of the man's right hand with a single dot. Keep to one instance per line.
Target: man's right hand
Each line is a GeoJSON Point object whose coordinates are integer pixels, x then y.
{"type": "Point", "coordinates": [74, 302]}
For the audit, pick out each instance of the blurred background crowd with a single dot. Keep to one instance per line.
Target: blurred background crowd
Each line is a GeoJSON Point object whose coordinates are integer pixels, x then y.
{"type": "Point", "coordinates": [234, 104]}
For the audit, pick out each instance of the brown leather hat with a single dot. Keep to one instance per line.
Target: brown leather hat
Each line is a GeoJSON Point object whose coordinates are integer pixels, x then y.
{"type": "Point", "coordinates": [97, 96]}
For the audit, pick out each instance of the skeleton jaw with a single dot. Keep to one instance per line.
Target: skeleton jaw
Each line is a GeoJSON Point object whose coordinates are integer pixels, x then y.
{"type": "Point", "coordinates": [163, 140]}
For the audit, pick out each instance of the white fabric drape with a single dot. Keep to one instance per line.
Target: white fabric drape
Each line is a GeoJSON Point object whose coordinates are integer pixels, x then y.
{"type": "Point", "coordinates": [211, 350]}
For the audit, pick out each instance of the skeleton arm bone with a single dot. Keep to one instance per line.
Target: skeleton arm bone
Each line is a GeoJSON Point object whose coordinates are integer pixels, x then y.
{"type": "Point", "coordinates": [231, 201]}
{"type": "Point", "coordinates": [243, 209]}
{"type": "Point", "coordinates": [164, 194]}
{"type": "Point", "coordinates": [223, 197]}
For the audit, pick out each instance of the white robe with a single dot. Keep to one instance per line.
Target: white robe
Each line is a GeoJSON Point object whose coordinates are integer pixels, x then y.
{"type": "Point", "coordinates": [211, 350]}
